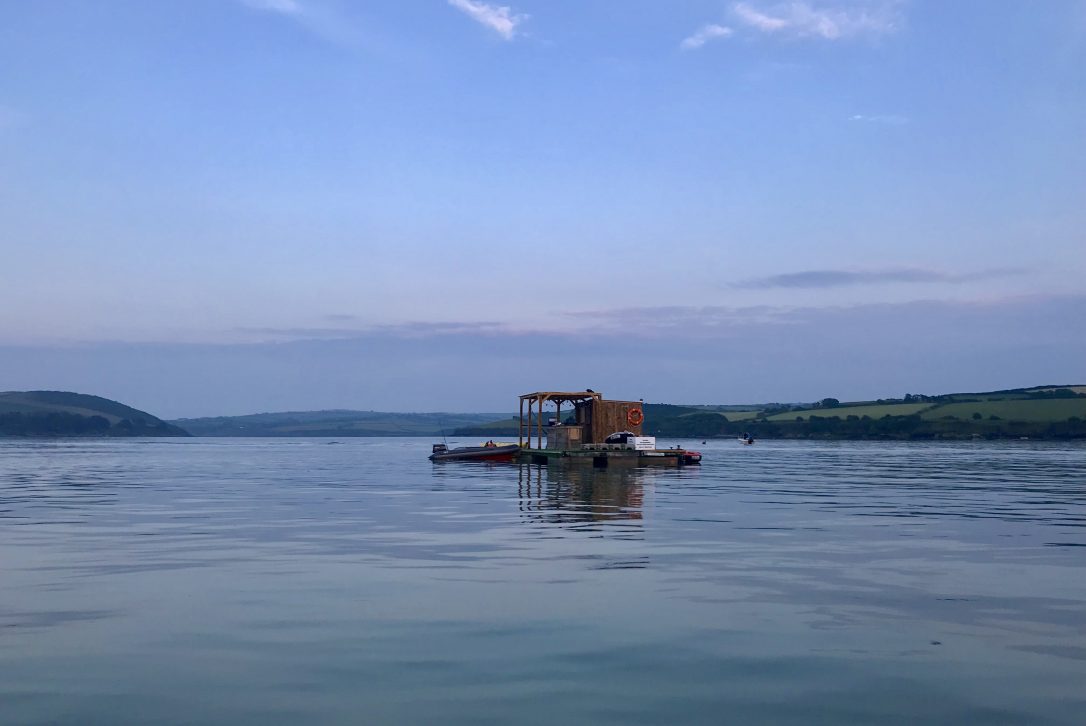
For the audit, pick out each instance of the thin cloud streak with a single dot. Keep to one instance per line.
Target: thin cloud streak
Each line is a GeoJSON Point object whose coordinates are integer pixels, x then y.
{"type": "Point", "coordinates": [887, 119]}
{"type": "Point", "coordinates": [847, 278]}
{"type": "Point", "coordinates": [670, 353]}
{"type": "Point", "coordinates": [419, 329]}
{"type": "Point", "coordinates": [283, 7]}
{"type": "Point", "coordinates": [499, 18]}
{"type": "Point", "coordinates": [318, 18]}
{"type": "Point", "coordinates": [804, 20]}
{"type": "Point", "coordinates": [689, 318]}
{"type": "Point", "coordinates": [704, 34]}
{"type": "Point", "coordinates": [720, 322]}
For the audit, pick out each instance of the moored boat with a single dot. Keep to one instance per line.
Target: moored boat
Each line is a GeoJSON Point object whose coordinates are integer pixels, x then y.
{"type": "Point", "coordinates": [487, 452]}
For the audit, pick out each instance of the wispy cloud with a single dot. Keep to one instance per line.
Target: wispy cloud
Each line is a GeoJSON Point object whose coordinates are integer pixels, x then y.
{"type": "Point", "coordinates": [758, 19]}
{"type": "Point", "coordinates": [704, 34]}
{"type": "Point", "coordinates": [283, 7]}
{"type": "Point", "coordinates": [695, 321]}
{"type": "Point", "coordinates": [779, 322]}
{"type": "Point", "coordinates": [801, 19]}
{"type": "Point", "coordinates": [846, 278]}
{"type": "Point", "coordinates": [419, 329]}
{"type": "Point", "coordinates": [499, 18]}
{"type": "Point", "coordinates": [663, 354]}
{"type": "Point", "coordinates": [322, 19]}
{"type": "Point", "coordinates": [887, 119]}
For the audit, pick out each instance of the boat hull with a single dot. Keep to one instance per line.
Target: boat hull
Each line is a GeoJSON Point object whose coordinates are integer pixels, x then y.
{"type": "Point", "coordinates": [477, 453]}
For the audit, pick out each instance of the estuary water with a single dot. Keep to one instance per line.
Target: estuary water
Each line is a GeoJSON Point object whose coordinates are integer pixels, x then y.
{"type": "Point", "coordinates": [263, 581]}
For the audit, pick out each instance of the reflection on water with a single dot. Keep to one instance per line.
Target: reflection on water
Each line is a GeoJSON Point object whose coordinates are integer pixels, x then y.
{"type": "Point", "coordinates": [287, 581]}
{"type": "Point", "coordinates": [579, 494]}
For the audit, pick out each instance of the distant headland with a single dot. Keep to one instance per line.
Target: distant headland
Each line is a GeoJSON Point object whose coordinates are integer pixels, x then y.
{"type": "Point", "coordinates": [62, 413]}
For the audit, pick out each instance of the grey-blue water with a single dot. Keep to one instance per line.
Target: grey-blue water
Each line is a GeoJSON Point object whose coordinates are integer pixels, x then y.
{"type": "Point", "coordinates": [316, 581]}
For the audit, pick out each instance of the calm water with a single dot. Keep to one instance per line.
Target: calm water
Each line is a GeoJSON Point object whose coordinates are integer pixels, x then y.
{"type": "Point", "coordinates": [310, 580]}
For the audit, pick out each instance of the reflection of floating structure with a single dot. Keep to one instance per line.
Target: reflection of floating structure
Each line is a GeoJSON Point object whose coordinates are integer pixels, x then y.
{"type": "Point", "coordinates": [582, 439]}
{"type": "Point", "coordinates": [570, 495]}
{"type": "Point", "coordinates": [596, 503]}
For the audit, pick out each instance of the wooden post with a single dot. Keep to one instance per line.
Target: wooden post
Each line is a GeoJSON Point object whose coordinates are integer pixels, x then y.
{"type": "Point", "coordinates": [539, 425]}
{"type": "Point", "coordinates": [520, 426]}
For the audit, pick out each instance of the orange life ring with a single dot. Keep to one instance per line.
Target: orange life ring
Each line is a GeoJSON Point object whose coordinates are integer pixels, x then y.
{"type": "Point", "coordinates": [634, 417]}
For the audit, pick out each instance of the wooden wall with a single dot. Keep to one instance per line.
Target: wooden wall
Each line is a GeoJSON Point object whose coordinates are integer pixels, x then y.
{"type": "Point", "coordinates": [603, 418]}
{"type": "Point", "coordinates": [565, 437]}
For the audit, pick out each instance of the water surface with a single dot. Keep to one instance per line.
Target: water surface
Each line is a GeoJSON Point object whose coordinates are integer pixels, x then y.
{"type": "Point", "coordinates": [351, 581]}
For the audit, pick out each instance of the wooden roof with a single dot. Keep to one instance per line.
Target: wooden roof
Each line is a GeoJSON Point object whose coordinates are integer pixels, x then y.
{"type": "Point", "coordinates": [562, 395]}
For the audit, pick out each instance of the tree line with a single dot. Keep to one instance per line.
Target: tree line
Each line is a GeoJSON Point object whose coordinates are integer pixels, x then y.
{"type": "Point", "coordinates": [822, 426]}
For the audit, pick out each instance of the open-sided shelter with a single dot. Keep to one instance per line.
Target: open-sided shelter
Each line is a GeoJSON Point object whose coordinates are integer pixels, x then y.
{"type": "Point", "coordinates": [594, 419]}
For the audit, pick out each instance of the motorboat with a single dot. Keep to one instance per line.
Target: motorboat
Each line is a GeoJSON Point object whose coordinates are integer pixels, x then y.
{"type": "Point", "coordinates": [489, 451]}
{"type": "Point", "coordinates": [691, 457]}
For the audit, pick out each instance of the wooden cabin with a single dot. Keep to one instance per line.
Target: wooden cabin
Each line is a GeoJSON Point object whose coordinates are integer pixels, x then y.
{"type": "Point", "coordinates": [591, 419]}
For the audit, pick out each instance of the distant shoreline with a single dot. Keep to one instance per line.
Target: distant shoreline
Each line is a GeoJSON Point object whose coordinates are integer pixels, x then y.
{"type": "Point", "coordinates": [1041, 413]}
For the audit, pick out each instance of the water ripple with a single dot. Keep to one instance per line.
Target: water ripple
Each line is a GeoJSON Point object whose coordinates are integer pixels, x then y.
{"type": "Point", "coordinates": [256, 580]}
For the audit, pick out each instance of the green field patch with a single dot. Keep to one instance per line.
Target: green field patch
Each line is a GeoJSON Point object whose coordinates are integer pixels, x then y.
{"type": "Point", "coordinates": [739, 415]}
{"type": "Point", "coordinates": [970, 397]}
{"type": "Point", "coordinates": [1059, 409]}
{"type": "Point", "coordinates": [877, 410]}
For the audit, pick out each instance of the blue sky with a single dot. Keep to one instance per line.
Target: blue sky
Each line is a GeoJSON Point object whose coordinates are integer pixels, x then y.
{"type": "Point", "coordinates": [318, 203]}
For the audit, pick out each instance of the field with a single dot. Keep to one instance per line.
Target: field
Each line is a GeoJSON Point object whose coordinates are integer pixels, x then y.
{"type": "Point", "coordinates": [1076, 389]}
{"type": "Point", "coordinates": [877, 410]}
{"type": "Point", "coordinates": [1012, 410]}
{"type": "Point", "coordinates": [740, 415]}
{"type": "Point", "coordinates": [44, 402]}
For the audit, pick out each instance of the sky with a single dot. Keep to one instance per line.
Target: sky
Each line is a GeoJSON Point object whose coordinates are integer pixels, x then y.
{"type": "Point", "coordinates": [218, 207]}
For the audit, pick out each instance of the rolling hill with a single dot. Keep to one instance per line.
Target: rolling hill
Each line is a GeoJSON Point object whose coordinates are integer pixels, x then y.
{"type": "Point", "coordinates": [333, 423]}
{"type": "Point", "coordinates": [62, 413]}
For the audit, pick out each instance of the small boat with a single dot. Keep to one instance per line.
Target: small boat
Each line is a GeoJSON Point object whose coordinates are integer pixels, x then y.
{"type": "Point", "coordinates": [746, 439]}
{"type": "Point", "coordinates": [691, 457]}
{"type": "Point", "coordinates": [487, 452]}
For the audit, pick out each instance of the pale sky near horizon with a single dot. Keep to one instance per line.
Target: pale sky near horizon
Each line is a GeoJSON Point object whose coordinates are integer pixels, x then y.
{"type": "Point", "coordinates": [226, 206]}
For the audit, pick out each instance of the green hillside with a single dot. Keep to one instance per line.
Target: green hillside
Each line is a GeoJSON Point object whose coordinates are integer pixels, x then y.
{"type": "Point", "coordinates": [1010, 409]}
{"type": "Point", "coordinates": [334, 423]}
{"type": "Point", "coordinates": [1044, 412]}
{"type": "Point", "coordinates": [62, 413]}
{"type": "Point", "coordinates": [877, 410]}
